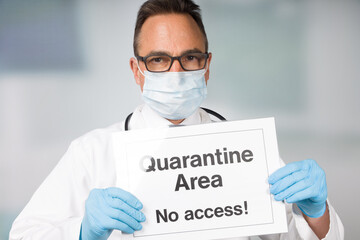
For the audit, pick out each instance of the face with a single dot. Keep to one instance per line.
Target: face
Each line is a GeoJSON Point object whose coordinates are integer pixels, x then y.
{"type": "Point", "coordinates": [172, 34]}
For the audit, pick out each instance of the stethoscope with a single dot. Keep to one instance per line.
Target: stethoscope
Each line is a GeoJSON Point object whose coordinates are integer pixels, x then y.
{"type": "Point", "coordinates": [211, 112]}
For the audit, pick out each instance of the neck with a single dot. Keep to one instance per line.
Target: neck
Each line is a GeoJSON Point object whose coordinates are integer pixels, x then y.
{"type": "Point", "coordinates": [176, 122]}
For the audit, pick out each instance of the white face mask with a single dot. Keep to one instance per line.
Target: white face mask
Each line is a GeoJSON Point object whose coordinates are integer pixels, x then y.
{"type": "Point", "coordinates": [174, 95]}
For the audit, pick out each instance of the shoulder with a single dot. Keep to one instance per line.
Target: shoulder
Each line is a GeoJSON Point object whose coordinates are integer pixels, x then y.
{"type": "Point", "coordinates": [101, 137]}
{"type": "Point", "coordinates": [98, 137]}
{"type": "Point", "coordinates": [93, 150]}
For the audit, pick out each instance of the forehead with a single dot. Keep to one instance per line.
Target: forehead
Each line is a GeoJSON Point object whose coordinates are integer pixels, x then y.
{"type": "Point", "coordinates": [171, 33]}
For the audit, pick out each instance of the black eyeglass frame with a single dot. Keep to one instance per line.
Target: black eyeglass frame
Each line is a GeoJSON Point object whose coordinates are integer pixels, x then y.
{"type": "Point", "coordinates": [172, 61]}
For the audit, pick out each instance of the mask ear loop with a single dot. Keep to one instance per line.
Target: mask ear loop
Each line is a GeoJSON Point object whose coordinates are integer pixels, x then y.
{"type": "Point", "coordinates": [206, 67]}
{"type": "Point", "coordinates": [137, 61]}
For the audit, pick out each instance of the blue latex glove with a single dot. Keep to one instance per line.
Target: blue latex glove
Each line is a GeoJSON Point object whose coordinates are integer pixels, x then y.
{"type": "Point", "coordinates": [108, 209]}
{"type": "Point", "coordinates": [303, 183]}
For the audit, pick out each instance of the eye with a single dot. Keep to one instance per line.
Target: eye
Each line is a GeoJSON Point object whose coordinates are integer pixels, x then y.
{"type": "Point", "coordinates": [190, 58]}
{"type": "Point", "coordinates": [157, 60]}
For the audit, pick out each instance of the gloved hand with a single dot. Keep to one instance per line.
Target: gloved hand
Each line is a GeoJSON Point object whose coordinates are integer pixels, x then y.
{"type": "Point", "coordinates": [303, 183]}
{"type": "Point", "coordinates": [108, 209]}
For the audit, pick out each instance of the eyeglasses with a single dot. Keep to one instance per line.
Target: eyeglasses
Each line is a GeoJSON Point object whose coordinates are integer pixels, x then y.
{"type": "Point", "coordinates": [163, 63]}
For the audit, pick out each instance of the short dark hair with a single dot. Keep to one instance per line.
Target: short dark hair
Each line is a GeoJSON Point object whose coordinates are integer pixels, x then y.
{"type": "Point", "coordinates": [156, 7]}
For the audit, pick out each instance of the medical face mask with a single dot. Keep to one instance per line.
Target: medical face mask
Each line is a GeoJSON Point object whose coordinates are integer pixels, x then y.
{"type": "Point", "coordinates": [174, 95]}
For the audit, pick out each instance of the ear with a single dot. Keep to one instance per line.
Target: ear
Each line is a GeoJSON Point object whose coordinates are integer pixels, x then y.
{"type": "Point", "coordinates": [207, 74]}
{"type": "Point", "coordinates": [135, 70]}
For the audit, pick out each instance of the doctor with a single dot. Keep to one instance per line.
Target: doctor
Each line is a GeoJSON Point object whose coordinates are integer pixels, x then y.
{"type": "Point", "coordinates": [78, 199]}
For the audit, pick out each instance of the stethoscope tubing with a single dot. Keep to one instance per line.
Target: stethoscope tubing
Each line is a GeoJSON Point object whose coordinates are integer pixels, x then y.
{"type": "Point", "coordinates": [209, 111]}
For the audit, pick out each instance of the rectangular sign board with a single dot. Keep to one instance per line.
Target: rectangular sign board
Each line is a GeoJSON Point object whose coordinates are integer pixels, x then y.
{"type": "Point", "coordinates": [205, 181]}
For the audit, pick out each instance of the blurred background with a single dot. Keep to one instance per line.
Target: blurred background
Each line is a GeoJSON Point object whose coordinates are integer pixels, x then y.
{"type": "Point", "coordinates": [64, 70]}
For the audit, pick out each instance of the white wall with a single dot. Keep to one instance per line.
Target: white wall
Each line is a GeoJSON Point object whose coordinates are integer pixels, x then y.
{"type": "Point", "coordinates": [297, 61]}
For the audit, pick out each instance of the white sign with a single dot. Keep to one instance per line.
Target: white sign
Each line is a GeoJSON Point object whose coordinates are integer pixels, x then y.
{"type": "Point", "coordinates": [204, 181]}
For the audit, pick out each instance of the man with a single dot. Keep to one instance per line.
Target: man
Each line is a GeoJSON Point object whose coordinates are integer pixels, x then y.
{"type": "Point", "coordinates": [78, 199]}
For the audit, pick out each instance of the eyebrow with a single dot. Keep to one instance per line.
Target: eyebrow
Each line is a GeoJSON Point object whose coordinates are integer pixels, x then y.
{"type": "Point", "coordinates": [157, 53]}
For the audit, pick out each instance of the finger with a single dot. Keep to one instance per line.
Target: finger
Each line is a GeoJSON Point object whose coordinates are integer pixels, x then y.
{"type": "Point", "coordinates": [125, 196]}
{"type": "Point", "coordinates": [123, 217]}
{"type": "Point", "coordinates": [288, 181]}
{"type": "Point", "coordinates": [297, 187]}
{"type": "Point", "coordinates": [284, 171]}
{"type": "Point", "coordinates": [301, 195]}
{"type": "Point", "coordinates": [111, 223]}
{"type": "Point", "coordinates": [117, 203]}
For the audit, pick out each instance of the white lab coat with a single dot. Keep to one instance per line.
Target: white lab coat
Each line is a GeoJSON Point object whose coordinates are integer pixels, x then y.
{"type": "Point", "coordinates": [56, 209]}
